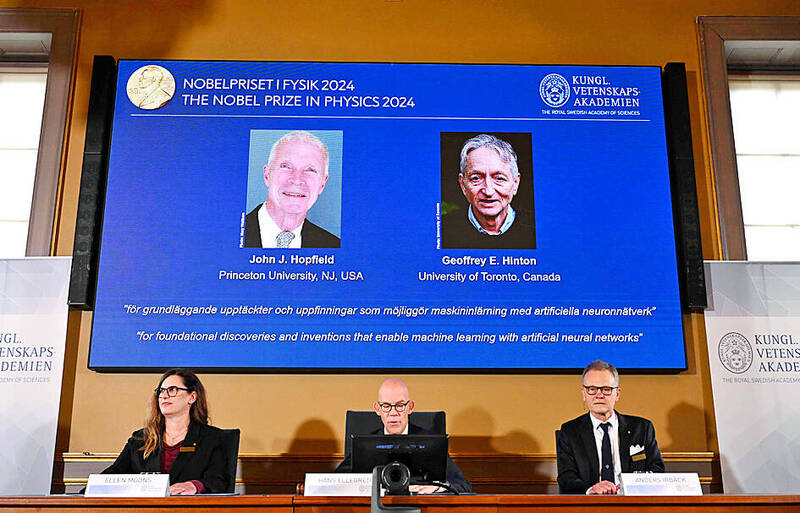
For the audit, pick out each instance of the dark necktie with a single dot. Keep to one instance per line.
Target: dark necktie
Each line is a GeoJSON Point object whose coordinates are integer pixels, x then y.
{"type": "Point", "coordinates": [607, 465]}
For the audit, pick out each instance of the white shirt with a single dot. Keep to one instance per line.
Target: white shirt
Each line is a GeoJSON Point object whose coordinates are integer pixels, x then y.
{"type": "Point", "coordinates": [270, 230]}
{"type": "Point", "coordinates": [510, 216]}
{"type": "Point", "coordinates": [613, 434]}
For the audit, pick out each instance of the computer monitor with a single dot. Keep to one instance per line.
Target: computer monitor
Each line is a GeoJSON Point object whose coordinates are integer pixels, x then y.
{"type": "Point", "coordinates": [424, 455]}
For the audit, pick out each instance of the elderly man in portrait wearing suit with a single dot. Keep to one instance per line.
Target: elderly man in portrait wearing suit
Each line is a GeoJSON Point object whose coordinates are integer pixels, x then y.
{"type": "Point", "coordinates": [295, 173]}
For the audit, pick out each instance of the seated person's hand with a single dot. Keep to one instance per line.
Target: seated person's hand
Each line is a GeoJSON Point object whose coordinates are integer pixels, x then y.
{"type": "Point", "coordinates": [604, 488]}
{"type": "Point", "coordinates": [424, 489]}
{"type": "Point", "coordinates": [185, 488]}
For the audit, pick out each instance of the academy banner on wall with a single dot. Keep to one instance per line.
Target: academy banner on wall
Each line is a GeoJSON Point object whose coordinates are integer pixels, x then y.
{"type": "Point", "coordinates": [753, 333]}
{"type": "Point", "coordinates": [33, 326]}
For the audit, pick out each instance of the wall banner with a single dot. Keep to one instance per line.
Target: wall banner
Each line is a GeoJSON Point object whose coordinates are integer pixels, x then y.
{"type": "Point", "coordinates": [753, 334]}
{"type": "Point", "coordinates": [33, 327]}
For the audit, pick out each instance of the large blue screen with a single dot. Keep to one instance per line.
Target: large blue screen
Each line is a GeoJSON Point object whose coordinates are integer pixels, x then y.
{"type": "Point", "coordinates": [391, 268]}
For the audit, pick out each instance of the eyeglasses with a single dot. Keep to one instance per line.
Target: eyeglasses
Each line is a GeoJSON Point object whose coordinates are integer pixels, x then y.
{"type": "Point", "coordinates": [171, 391]}
{"type": "Point", "coordinates": [593, 390]}
{"type": "Point", "coordinates": [399, 407]}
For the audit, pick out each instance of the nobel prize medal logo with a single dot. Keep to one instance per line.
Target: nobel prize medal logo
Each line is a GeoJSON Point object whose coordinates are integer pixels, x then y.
{"type": "Point", "coordinates": [151, 87]}
{"type": "Point", "coordinates": [554, 90]}
{"type": "Point", "coordinates": [735, 352]}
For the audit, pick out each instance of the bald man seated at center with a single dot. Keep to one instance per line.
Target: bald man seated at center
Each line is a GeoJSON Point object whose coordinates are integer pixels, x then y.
{"type": "Point", "coordinates": [394, 404]}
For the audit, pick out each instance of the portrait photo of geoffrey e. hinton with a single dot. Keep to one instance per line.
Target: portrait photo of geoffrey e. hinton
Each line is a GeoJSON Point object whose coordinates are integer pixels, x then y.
{"type": "Point", "coordinates": [487, 191]}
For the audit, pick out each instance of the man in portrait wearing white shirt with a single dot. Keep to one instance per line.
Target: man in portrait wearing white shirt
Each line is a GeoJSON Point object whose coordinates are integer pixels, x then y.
{"type": "Point", "coordinates": [295, 173]}
{"type": "Point", "coordinates": [595, 448]}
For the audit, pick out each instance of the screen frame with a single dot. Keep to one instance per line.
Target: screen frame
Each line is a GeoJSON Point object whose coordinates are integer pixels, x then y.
{"type": "Point", "coordinates": [680, 278]}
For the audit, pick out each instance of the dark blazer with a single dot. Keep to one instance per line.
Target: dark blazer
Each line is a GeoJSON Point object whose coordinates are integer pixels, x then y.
{"type": "Point", "coordinates": [578, 465]}
{"type": "Point", "coordinates": [312, 235]}
{"type": "Point", "coordinates": [458, 233]}
{"type": "Point", "coordinates": [455, 478]}
{"type": "Point", "coordinates": [207, 463]}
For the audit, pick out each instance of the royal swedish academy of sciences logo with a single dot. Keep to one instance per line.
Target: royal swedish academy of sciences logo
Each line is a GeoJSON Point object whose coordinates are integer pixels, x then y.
{"type": "Point", "coordinates": [735, 352]}
{"type": "Point", "coordinates": [554, 90]}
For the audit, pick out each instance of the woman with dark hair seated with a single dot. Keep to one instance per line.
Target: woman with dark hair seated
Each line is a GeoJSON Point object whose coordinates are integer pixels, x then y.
{"type": "Point", "coordinates": [177, 439]}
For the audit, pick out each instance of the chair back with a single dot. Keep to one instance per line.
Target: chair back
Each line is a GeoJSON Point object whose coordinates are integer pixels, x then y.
{"type": "Point", "coordinates": [230, 441]}
{"type": "Point", "coordinates": [558, 448]}
{"type": "Point", "coordinates": [366, 422]}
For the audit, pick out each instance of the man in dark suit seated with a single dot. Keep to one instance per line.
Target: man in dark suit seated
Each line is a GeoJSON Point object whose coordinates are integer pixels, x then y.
{"type": "Point", "coordinates": [296, 173]}
{"type": "Point", "coordinates": [393, 406]}
{"type": "Point", "coordinates": [596, 447]}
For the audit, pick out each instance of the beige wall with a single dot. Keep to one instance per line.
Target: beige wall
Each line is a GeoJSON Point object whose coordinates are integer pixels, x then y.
{"type": "Point", "coordinates": [305, 413]}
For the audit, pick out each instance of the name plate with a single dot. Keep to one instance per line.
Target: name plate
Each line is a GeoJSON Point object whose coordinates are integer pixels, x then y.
{"type": "Point", "coordinates": [351, 485]}
{"type": "Point", "coordinates": [128, 485]}
{"type": "Point", "coordinates": [673, 483]}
